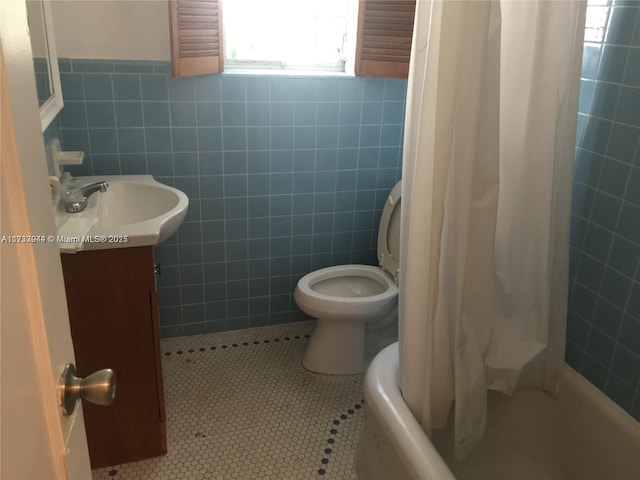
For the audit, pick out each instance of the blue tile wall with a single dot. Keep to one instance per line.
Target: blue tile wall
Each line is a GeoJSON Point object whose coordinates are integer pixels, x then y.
{"type": "Point", "coordinates": [284, 176]}
{"type": "Point", "coordinates": [603, 337]}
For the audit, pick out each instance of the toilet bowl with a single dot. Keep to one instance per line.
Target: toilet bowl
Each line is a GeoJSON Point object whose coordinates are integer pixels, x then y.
{"type": "Point", "coordinates": [354, 304]}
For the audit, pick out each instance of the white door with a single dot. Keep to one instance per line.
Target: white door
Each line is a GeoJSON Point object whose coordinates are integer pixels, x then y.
{"type": "Point", "coordinates": [38, 442]}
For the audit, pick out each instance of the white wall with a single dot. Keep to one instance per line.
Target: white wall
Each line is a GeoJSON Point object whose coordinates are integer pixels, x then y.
{"type": "Point", "coordinates": [112, 29]}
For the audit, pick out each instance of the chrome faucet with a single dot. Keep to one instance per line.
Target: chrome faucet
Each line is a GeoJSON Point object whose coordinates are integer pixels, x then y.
{"type": "Point", "coordinates": [88, 190]}
{"type": "Point", "coordinates": [76, 198]}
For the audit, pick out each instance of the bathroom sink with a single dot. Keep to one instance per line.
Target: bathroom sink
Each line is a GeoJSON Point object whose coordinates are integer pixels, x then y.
{"type": "Point", "coordinates": [135, 211]}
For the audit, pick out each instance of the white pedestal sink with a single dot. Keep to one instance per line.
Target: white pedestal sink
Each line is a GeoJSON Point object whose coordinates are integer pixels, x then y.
{"type": "Point", "coordinates": [135, 211]}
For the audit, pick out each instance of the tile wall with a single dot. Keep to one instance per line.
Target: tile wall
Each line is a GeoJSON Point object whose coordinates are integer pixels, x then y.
{"type": "Point", "coordinates": [284, 175]}
{"type": "Point", "coordinates": [604, 309]}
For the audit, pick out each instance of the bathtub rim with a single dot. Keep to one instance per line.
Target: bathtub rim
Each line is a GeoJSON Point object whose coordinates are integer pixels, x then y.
{"type": "Point", "coordinates": [384, 401]}
{"type": "Point", "coordinates": [383, 398]}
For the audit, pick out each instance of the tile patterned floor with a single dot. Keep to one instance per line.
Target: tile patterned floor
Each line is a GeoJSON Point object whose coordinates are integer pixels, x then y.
{"type": "Point", "coordinates": [247, 409]}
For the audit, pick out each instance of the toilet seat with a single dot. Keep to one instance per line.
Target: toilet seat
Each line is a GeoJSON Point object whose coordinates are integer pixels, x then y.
{"type": "Point", "coordinates": [319, 304]}
{"type": "Point", "coordinates": [389, 233]}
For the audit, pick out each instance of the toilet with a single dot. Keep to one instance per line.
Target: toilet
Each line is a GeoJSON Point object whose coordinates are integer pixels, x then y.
{"type": "Point", "coordinates": [356, 306]}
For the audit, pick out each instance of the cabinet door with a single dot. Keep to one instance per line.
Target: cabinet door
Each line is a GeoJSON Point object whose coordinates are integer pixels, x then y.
{"type": "Point", "coordinates": [111, 299]}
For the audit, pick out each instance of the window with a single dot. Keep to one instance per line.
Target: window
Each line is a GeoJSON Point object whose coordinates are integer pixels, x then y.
{"type": "Point", "coordinates": [288, 34]}
{"type": "Point", "coordinates": [292, 34]}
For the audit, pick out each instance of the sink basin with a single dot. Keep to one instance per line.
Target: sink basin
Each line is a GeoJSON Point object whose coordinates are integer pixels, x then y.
{"type": "Point", "coordinates": [125, 203]}
{"type": "Point", "coordinates": [135, 211]}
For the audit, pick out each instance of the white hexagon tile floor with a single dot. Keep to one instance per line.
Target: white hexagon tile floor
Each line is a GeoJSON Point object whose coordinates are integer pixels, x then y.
{"type": "Point", "coordinates": [247, 409]}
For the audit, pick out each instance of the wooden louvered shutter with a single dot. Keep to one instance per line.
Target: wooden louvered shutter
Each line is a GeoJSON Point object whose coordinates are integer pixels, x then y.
{"type": "Point", "coordinates": [196, 37]}
{"type": "Point", "coordinates": [385, 28]}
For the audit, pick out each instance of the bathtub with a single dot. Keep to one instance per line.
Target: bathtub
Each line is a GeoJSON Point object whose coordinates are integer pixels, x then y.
{"type": "Point", "coordinates": [580, 435]}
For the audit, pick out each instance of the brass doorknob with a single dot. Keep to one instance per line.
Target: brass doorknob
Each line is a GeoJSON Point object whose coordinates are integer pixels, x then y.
{"type": "Point", "coordinates": [98, 388]}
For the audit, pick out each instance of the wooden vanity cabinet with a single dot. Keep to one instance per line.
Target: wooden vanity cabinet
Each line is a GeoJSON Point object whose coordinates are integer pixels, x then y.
{"type": "Point", "coordinates": [113, 312]}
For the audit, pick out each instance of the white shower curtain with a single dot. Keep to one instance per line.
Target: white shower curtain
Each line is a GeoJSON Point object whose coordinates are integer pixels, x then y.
{"type": "Point", "coordinates": [489, 139]}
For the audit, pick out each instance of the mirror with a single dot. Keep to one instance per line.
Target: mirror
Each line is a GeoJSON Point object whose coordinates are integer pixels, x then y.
{"type": "Point", "coordinates": [45, 60]}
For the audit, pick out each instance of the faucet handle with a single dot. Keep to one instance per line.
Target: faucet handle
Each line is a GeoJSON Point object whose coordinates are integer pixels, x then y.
{"type": "Point", "coordinates": [74, 200]}
{"type": "Point", "coordinates": [72, 194]}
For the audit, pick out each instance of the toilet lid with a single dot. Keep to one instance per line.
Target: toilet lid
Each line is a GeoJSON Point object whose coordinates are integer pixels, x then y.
{"type": "Point", "coordinates": [389, 233]}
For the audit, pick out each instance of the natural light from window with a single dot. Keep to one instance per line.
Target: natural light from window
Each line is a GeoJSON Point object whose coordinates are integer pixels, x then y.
{"type": "Point", "coordinates": [287, 34]}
